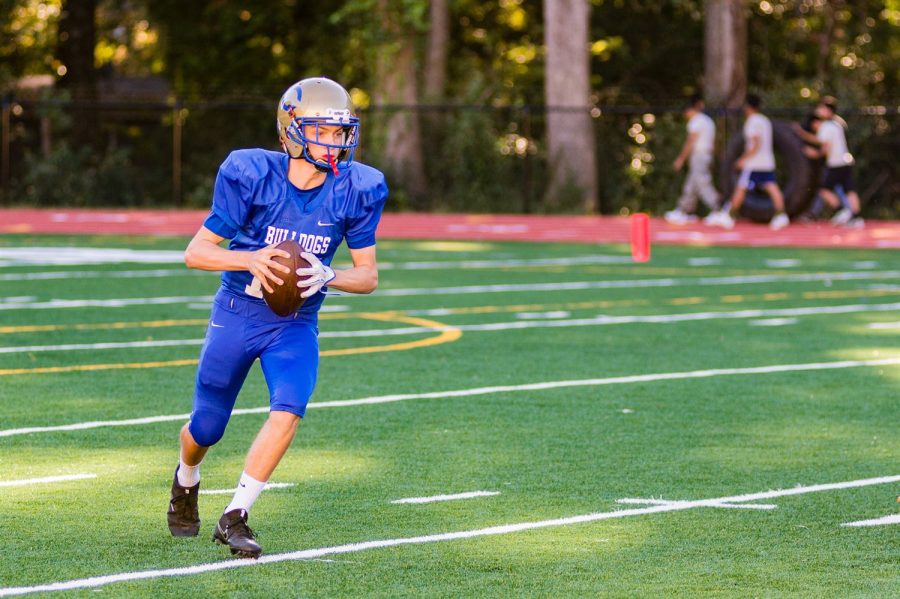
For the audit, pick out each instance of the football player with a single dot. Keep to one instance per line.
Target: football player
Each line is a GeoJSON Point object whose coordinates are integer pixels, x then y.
{"type": "Point", "coordinates": [313, 193]}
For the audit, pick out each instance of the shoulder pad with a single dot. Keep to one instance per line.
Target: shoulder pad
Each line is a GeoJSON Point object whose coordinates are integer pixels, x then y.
{"type": "Point", "coordinates": [255, 163]}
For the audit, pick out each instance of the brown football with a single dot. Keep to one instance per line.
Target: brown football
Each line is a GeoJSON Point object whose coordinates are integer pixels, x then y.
{"type": "Point", "coordinates": [285, 299]}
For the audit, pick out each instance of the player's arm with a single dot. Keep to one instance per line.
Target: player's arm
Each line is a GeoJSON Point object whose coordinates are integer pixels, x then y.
{"type": "Point", "coordinates": [822, 150]}
{"type": "Point", "coordinates": [686, 150]}
{"type": "Point", "coordinates": [806, 136]}
{"type": "Point", "coordinates": [204, 253]}
{"type": "Point", "coordinates": [751, 150]}
{"type": "Point", "coordinates": [361, 278]}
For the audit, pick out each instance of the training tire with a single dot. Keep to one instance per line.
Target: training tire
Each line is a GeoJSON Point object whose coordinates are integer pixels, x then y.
{"type": "Point", "coordinates": [796, 175]}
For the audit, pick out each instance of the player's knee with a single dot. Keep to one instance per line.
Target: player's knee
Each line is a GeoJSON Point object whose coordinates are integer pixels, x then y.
{"type": "Point", "coordinates": [207, 427]}
{"type": "Point", "coordinates": [283, 421]}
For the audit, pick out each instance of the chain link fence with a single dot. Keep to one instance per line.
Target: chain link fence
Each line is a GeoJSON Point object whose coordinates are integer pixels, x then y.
{"type": "Point", "coordinates": [476, 158]}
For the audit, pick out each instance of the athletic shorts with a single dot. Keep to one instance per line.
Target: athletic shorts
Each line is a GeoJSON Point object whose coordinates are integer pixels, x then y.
{"type": "Point", "coordinates": [239, 332]}
{"type": "Point", "coordinates": [838, 176]}
{"type": "Point", "coordinates": [751, 180]}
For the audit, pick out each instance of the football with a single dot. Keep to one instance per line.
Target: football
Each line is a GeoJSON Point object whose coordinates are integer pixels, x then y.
{"type": "Point", "coordinates": [285, 299]}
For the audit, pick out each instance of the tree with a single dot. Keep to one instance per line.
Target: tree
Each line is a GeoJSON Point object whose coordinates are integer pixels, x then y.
{"type": "Point", "coordinates": [570, 135]}
{"type": "Point", "coordinates": [725, 63]}
{"type": "Point", "coordinates": [396, 93]}
{"type": "Point", "coordinates": [77, 38]}
{"type": "Point", "coordinates": [438, 43]}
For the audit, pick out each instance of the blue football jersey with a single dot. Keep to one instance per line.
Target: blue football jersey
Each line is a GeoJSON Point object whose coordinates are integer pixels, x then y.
{"type": "Point", "coordinates": [255, 205]}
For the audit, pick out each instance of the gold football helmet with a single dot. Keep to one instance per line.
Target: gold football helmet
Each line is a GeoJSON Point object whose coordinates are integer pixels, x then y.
{"type": "Point", "coordinates": [313, 102]}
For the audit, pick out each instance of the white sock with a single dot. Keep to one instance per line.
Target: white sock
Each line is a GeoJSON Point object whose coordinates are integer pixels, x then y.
{"type": "Point", "coordinates": [248, 490]}
{"type": "Point", "coordinates": [188, 476]}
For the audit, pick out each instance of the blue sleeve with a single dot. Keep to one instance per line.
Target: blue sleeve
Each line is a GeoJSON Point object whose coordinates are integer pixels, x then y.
{"type": "Point", "coordinates": [218, 226]}
{"type": "Point", "coordinates": [231, 196]}
{"type": "Point", "coordinates": [361, 232]}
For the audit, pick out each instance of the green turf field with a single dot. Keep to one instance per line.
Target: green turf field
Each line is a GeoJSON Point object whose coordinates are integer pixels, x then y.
{"type": "Point", "coordinates": [508, 369]}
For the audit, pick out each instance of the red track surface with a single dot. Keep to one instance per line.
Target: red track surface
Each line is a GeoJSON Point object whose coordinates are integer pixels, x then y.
{"type": "Point", "coordinates": [585, 229]}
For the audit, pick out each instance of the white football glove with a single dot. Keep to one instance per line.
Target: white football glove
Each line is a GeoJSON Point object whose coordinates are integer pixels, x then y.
{"type": "Point", "coordinates": [318, 275]}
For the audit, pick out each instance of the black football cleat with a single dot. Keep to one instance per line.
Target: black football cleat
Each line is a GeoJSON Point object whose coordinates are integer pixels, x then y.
{"type": "Point", "coordinates": [232, 530]}
{"type": "Point", "coordinates": [183, 515]}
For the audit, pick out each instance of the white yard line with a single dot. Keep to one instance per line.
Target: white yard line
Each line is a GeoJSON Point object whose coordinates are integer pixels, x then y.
{"type": "Point", "coordinates": [95, 346]}
{"type": "Point", "coordinates": [892, 519]}
{"type": "Point", "coordinates": [773, 322]}
{"type": "Point", "coordinates": [307, 554]}
{"type": "Point", "coordinates": [603, 320]}
{"type": "Point", "coordinates": [380, 399]}
{"type": "Point", "coordinates": [180, 272]}
{"type": "Point", "coordinates": [783, 263]}
{"type": "Point", "coordinates": [66, 255]}
{"type": "Point", "coordinates": [878, 326]}
{"type": "Point", "coordinates": [433, 498]}
{"type": "Point", "coordinates": [551, 314]}
{"type": "Point", "coordinates": [509, 263]}
{"type": "Point", "coordinates": [100, 274]}
{"type": "Point", "coordinates": [27, 482]}
{"type": "Point", "coordinates": [560, 286]}
{"type": "Point", "coordinates": [514, 325]}
{"type": "Point", "coordinates": [742, 506]}
{"type": "Point", "coordinates": [704, 261]}
{"type": "Point", "coordinates": [56, 256]}
{"type": "Point", "coordinates": [106, 303]}
{"type": "Point", "coordinates": [230, 491]}
{"type": "Point", "coordinates": [643, 283]}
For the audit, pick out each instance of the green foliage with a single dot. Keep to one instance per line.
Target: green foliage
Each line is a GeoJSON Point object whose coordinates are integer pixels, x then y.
{"type": "Point", "coordinates": [638, 151]}
{"type": "Point", "coordinates": [645, 56]}
{"type": "Point", "coordinates": [78, 177]}
{"type": "Point", "coordinates": [467, 167]}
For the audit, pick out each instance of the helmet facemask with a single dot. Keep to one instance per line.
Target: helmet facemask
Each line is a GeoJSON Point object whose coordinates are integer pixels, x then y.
{"type": "Point", "coordinates": [305, 131]}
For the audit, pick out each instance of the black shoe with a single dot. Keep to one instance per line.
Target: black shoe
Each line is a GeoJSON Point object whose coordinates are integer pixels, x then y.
{"type": "Point", "coordinates": [183, 515]}
{"type": "Point", "coordinates": [232, 530]}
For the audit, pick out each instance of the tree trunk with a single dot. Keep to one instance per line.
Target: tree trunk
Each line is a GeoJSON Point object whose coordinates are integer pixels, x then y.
{"type": "Point", "coordinates": [75, 50]}
{"type": "Point", "coordinates": [725, 54]}
{"type": "Point", "coordinates": [825, 43]}
{"type": "Point", "coordinates": [570, 133]}
{"type": "Point", "coordinates": [395, 84]}
{"type": "Point", "coordinates": [438, 41]}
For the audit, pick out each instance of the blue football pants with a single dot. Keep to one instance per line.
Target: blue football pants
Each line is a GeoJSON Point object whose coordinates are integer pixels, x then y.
{"type": "Point", "coordinates": [239, 332]}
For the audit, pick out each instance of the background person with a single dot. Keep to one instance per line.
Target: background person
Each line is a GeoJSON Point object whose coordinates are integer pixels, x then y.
{"type": "Point", "coordinates": [838, 174]}
{"type": "Point", "coordinates": [757, 167]}
{"type": "Point", "coordinates": [698, 152]}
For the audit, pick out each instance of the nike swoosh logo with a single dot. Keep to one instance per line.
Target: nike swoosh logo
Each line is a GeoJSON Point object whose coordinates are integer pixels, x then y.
{"type": "Point", "coordinates": [243, 485]}
{"type": "Point", "coordinates": [321, 224]}
{"type": "Point", "coordinates": [218, 326]}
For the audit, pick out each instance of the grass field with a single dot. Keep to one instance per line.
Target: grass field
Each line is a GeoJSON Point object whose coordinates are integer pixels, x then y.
{"type": "Point", "coordinates": [509, 369]}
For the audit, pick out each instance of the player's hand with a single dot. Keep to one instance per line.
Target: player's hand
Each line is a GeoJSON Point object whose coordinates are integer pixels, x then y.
{"type": "Point", "coordinates": [263, 267]}
{"type": "Point", "coordinates": [318, 275]}
{"type": "Point", "coordinates": [739, 164]}
{"type": "Point", "coordinates": [676, 166]}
